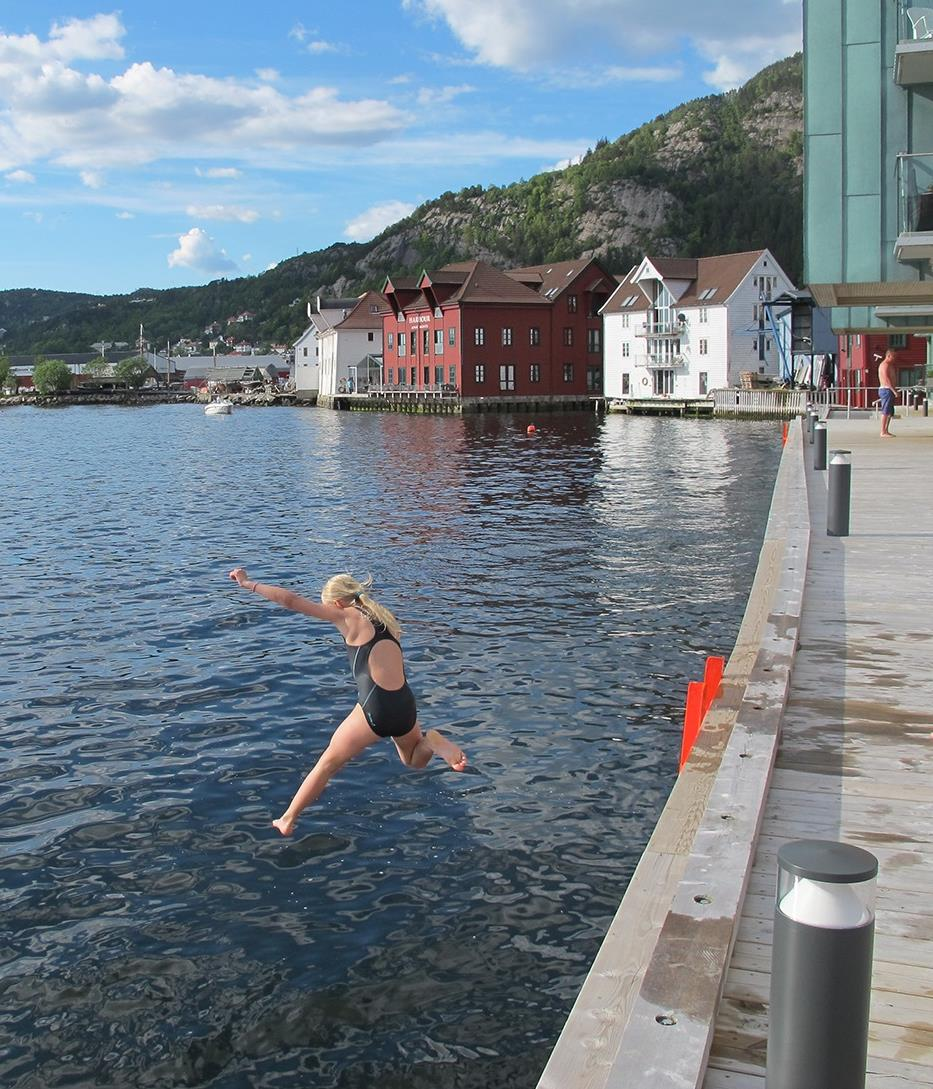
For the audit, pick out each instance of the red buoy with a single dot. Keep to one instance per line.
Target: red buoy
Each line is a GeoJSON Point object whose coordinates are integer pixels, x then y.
{"type": "Point", "coordinates": [531, 429]}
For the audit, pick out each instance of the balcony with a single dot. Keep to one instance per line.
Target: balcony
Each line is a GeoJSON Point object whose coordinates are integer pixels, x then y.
{"type": "Point", "coordinates": [914, 208]}
{"type": "Point", "coordinates": [658, 361]}
{"type": "Point", "coordinates": [656, 327]}
{"type": "Point", "coordinates": [913, 55]}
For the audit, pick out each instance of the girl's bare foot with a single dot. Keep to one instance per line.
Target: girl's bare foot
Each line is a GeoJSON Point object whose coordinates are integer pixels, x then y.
{"type": "Point", "coordinates": [285, 825]}
{"type": "Point", "coordinates": [450, 753]}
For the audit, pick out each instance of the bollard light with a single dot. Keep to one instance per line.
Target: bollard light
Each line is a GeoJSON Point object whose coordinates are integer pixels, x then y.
{"type": "Point", "coordinates": [824, 920]}
{"type": "Point", "coordinates": [819, 446]}
{"type": "Point", "coordinates": [839, 493]}
{"type": "Point", "coordinates": [811, 424]}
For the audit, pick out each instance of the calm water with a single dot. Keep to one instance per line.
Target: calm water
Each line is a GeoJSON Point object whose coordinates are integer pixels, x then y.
{"type": "Point", "coordinates": [421, 931]}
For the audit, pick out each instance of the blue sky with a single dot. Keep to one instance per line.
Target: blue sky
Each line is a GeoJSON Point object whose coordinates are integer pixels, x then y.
{"type": "Point", "coordinates": [169, 144]}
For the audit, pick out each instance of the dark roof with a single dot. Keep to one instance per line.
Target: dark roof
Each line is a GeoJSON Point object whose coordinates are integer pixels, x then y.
{"type": "Point", "coordinates": [552, 279]}
{"type": "Point", "coordinates": [73, 359]}
{"type": "Point", "coordinates": [362, 315]}
{"type": "Point", "coordinates": [718, 275]}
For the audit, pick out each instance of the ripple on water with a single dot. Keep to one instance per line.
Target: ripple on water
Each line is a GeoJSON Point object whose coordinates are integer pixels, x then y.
{"type": "Point", "coordinates": [419, 931]}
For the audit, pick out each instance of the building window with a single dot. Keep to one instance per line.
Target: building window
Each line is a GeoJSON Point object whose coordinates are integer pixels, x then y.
{"type": "Point", "coordinates": [425, 341]}
{"type": "Point", "coordinates": [402, 349]}
{"type": "Point", "coordinates": [452, 374]}
{"type": "Point", "coordinates": [479, 335]}
{"type": "Point", "coordinates": [594, 379]}
{"type": "Point", "coordinates": [626, 383]}
{"type": "Point", "coordinates": [438, 376]}
{"type": "Point", "coordinates": [507, 376]}
{"type": "Point", "coordinates": [506, 335]}
{"type": "Point", "coordinates": [390, 341]}
{"type": "Point", "coordinates": [626, 349]}
{"type": "Point", "coordinates": [897, 340]}
{"type": "Point", "coordinates": [571, 304]}
{"type": "Point", "coordinates": [703, 347]}
{"type": "Point", "coordinates": [390, 380]}
{"type": "Point", "coordinates": [534, 336]}
{"type": "Point", "coordinates": [593, 340]}
{"type": "Point", "coordinates": [568, 372]}
{"type": "Point", "coordinates": [438, 341]}
{"type": "Point", "coordinates": [479, 373]}
{"type": "Point", "coordinates": [425, 376]}
{"type": "Point", "coordinates": [626, 320]}
{"type": "Point", "coordinates": [304, 352]}
{"type": "Point", "coordinates": [452, 336]}
{"type": "Point", "coordinates": [663, 383]}
{"type": "Point", "coordinates": [371, 337]}
{"type": "Point", "coordinates": [534, 373]}
{"type": "Point", "coordinates": [568, 336]}
{"type": "Point", "coordinates": [703, 377]}
{"type": "Point", "coordinates": [703, 316]}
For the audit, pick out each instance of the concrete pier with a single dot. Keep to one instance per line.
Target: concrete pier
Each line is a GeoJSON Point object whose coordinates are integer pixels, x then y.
{"type": "Point", "coordinates": [822, 731]}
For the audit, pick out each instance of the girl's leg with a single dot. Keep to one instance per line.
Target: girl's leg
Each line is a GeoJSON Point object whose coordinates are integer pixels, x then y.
{"type": "Point", "coordinates": [350, 738]}
{"type": "Point", "coordinates": [416, 749]}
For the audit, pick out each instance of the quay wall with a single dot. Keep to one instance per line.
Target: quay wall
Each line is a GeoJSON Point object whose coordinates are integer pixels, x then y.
{"type": "Point", "coordinates": [645, 1014]}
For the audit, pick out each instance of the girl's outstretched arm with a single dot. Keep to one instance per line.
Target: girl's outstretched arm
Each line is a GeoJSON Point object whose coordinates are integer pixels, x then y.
{"type": "Point", "coordinates": [289, 599]}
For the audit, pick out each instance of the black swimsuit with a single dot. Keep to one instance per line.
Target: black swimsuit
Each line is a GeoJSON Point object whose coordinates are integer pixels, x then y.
{"type": "Point", "coordinates": [389, 712]}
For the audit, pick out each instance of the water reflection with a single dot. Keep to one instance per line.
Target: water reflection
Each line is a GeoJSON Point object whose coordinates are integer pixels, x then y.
{"type": "Point", "coordinates": [425, 931]}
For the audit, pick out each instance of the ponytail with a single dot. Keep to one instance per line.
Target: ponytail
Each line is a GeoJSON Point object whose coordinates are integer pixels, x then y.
{"type": "Point", "coordinates": [345, 587]}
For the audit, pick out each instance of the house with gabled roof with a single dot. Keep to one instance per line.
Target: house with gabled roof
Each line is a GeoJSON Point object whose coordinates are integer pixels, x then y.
{"type": "Point", "coordinates": [341, 350]}
{"type": "Point", "coordinates": [323, 314]}
{"type": "Point", "coordinates": [681, 327]}
{"type": "Point", "coordinates": [532, 333]}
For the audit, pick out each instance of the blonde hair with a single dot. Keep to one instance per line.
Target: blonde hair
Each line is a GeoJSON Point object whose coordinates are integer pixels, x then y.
{"type": "Point", "coordinates": [346, 588]}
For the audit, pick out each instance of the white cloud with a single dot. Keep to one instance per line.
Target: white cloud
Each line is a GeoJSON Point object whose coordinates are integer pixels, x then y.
{"type": "Point", "coordinates": [323, 47]}
{"type": "Point", "coordinates": [736, 60]}
{"type": "Point", "coordinates": [22, 177]}
{"type": "Point", "coordinates": [538, 36]}
{"type": "Point", "coordinates": [198, 251]}
{"type": "Point", "coordinates": [438, 96]}
{"type": "Point", "coordinates": [267, 75]}
{"type": "Point", "coordinates": [227, 212]}
{"type": "Point", "coordinates": [218, 172]}
{"type": "Point", "coordinates": [572, 160]}
{"type": "Point", "coordinates": [52, 112]}
{"type": "Point", "coordinates": [375, 220]}
{"type": "Point", "coordinates": [125, 215]}
{"type": "Point", "coordinates": [92, 179]}
{"type": "Point", "coordinates": [36, 217]}
{"type": "Point", "coordinates": [660, 74]}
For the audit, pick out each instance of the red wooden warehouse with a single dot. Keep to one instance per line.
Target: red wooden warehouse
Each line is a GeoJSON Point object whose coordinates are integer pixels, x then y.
{"type": "Point", "coordinates": [529, 333]}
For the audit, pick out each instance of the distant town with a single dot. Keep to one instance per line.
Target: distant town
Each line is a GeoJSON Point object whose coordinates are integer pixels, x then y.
{"type": "Point", "coordinates": [557, 335]}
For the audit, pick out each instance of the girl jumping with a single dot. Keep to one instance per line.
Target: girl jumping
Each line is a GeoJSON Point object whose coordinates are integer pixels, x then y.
{"type": "Point", "coordinates": [386, 706]}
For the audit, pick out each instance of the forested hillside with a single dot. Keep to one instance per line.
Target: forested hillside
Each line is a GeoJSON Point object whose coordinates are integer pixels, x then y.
{"type": "Point", "coordinates": [716, 175]}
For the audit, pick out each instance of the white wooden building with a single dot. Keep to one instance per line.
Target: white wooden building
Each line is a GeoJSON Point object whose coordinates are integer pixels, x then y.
{"type": "Point", "coordinates": [681, 327]}
{"type": "Point", "coordinates": [342, 346]}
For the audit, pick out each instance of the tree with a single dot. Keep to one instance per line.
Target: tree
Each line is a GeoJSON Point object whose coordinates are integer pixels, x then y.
{"type": "Point", "coordinates": [132, 372]}
{"type": "Point", "coordinates": [51, 376]}
{"type": "Point", "coordinates": [7, 381]}
{"type": "Point", "coordinates": [95, 368]}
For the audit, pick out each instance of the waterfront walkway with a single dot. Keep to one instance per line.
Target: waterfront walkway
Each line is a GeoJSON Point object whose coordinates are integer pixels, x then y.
{"type": "Point", "coordinates": [855, 757]}
{"type": "Point", "coordinates": [823, 732]}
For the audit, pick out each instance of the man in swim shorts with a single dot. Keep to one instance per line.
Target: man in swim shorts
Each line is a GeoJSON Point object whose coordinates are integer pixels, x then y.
{"type": "Point", "coordinates": [887, 383]}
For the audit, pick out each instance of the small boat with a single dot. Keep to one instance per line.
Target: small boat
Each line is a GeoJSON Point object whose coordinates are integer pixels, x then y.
{"type": "Point", "coordinates": [221, 407]}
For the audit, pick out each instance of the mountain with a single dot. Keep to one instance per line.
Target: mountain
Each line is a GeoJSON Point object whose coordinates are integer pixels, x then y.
{"type": "Point", "coordinates": [720, 174]}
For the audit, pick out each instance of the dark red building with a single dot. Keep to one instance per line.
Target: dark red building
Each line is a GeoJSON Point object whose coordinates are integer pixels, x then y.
{"type": "Point", "coordinates": [860, 354]}
{"type": "Point", "coordinates": [532, 332]}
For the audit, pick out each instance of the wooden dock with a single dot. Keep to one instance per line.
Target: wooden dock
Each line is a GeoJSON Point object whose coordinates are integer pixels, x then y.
{"type": "Point", "coordinates": [822, 731]}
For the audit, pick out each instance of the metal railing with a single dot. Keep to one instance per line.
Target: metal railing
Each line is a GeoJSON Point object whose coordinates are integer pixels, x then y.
{"type": "Point", "coordinates": [656, 328]}
{"type": "Point", "coordinates": [793, 402]}
{"type": "Point", "coordinates": [430, 392]}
